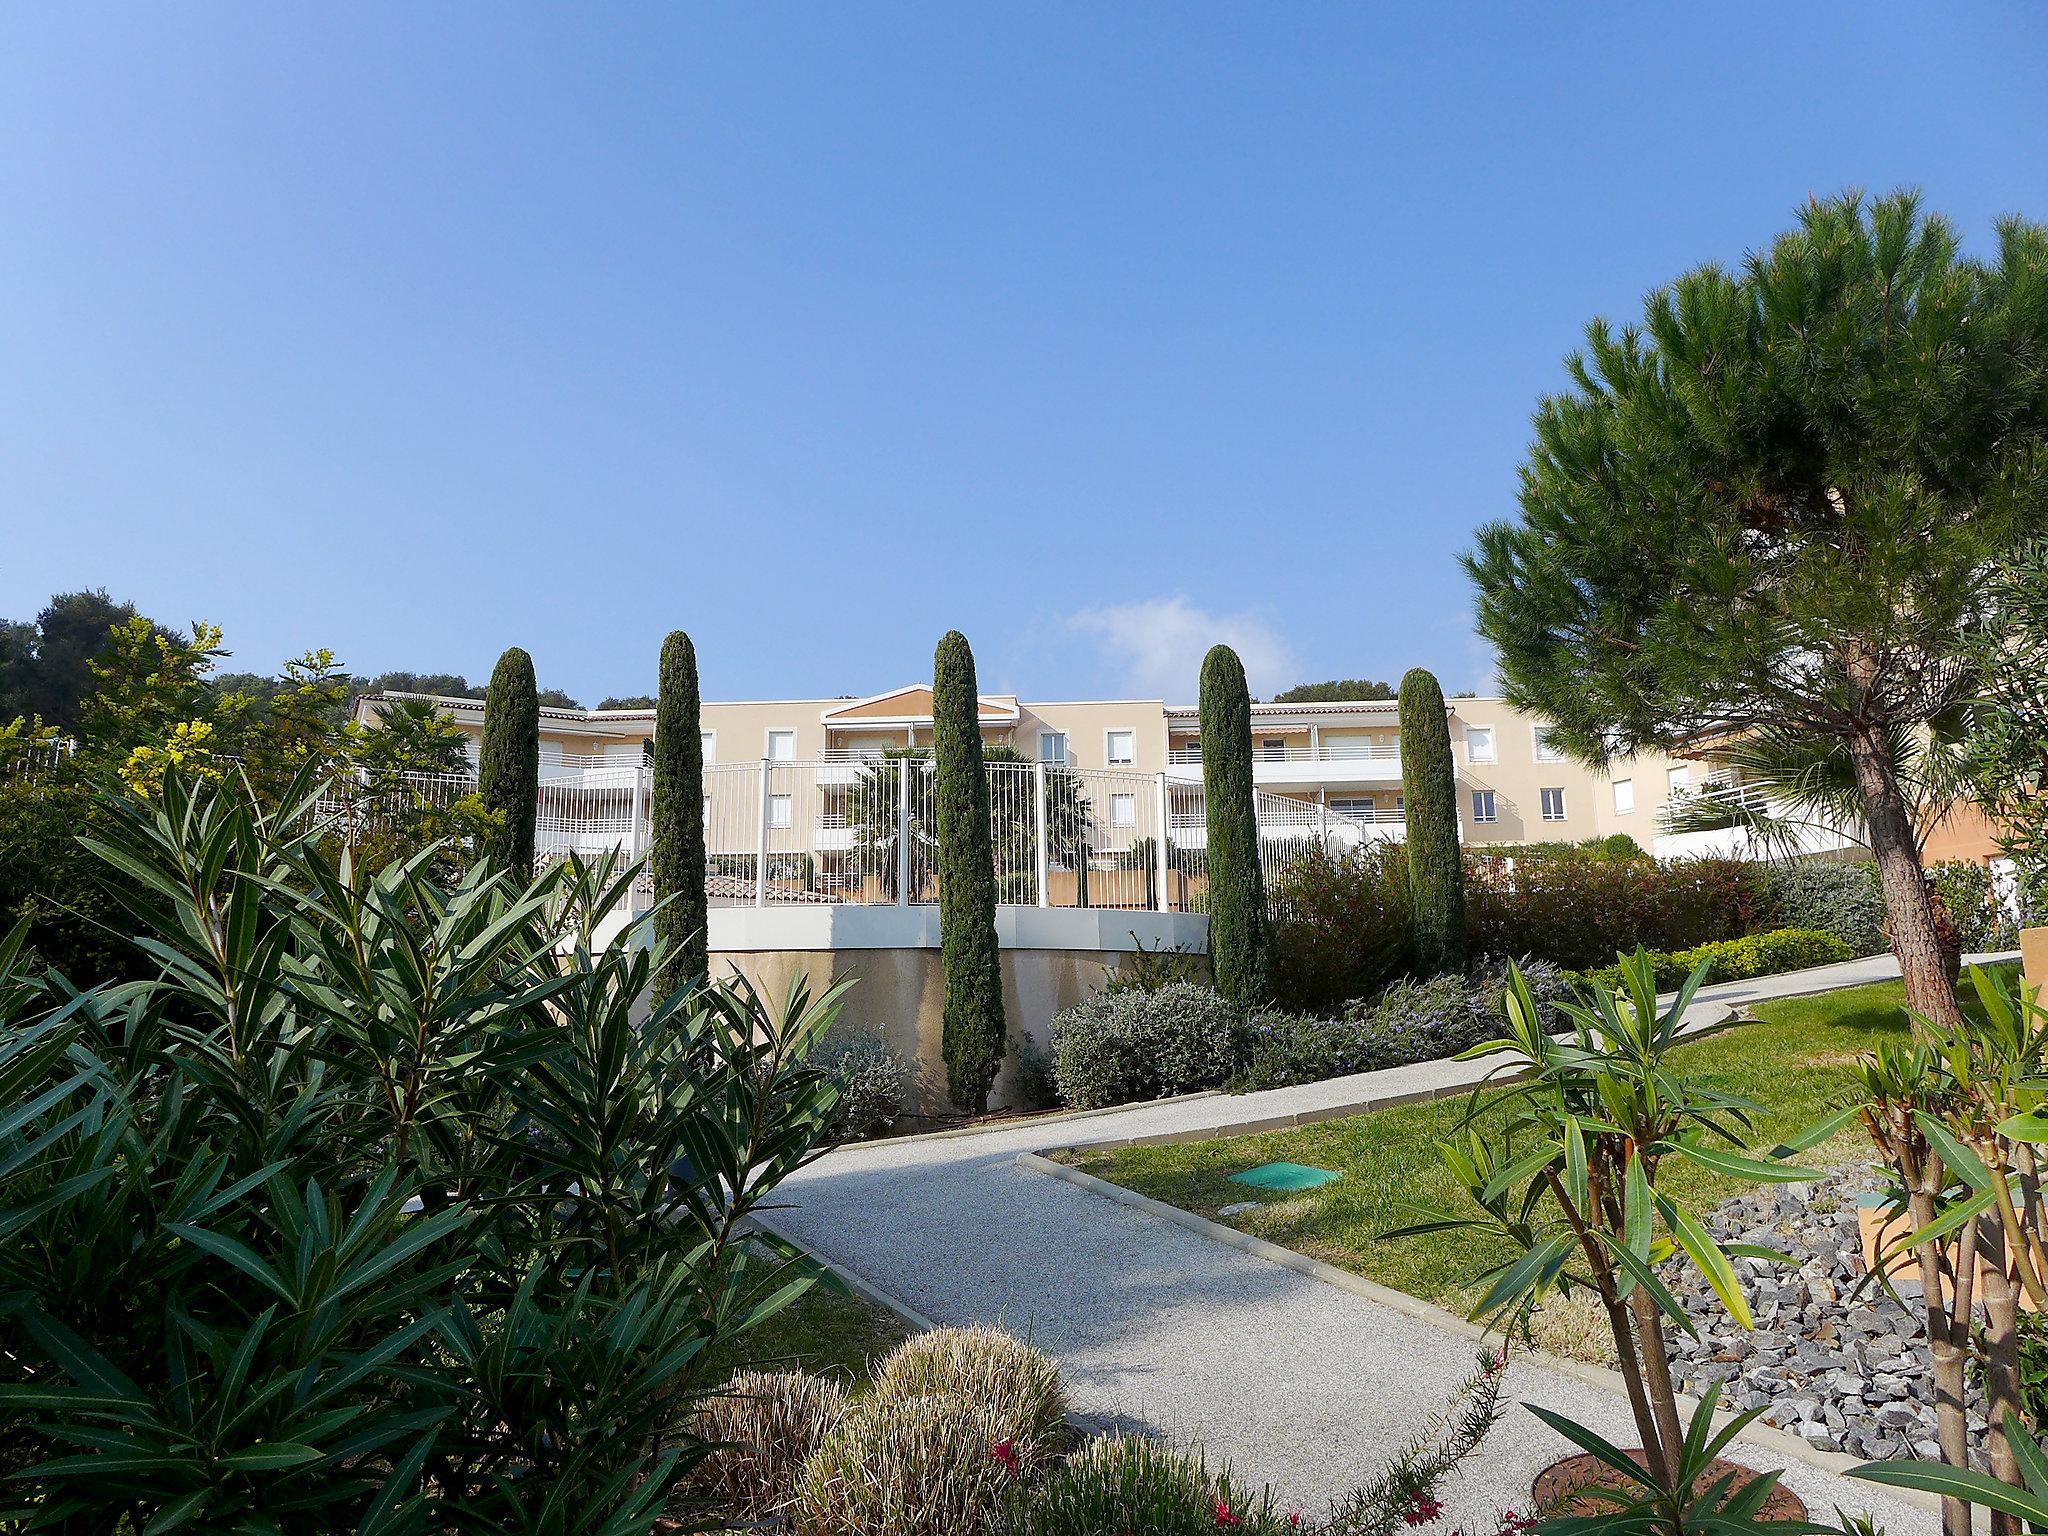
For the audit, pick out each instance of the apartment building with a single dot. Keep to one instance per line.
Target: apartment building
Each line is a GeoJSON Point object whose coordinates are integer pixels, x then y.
{"type": "Point", "coordinates": [1338, 762]}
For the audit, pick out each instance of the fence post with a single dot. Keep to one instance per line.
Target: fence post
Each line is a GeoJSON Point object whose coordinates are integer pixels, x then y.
{"type": "Point", "coordinates": [761, 849]}
{"type": "Point", "coordinates": [1041, 861]}
{"type": "Point", "coordinates": [905, 767]}
{"type": "Point", "coordinates": [635, 844]}
{"type": "Point", "coordinates": [1159, 853]}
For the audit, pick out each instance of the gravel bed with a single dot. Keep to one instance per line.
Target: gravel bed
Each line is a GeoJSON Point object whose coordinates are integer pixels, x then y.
{"type": "Point", "coordinates": [1845, 1370]}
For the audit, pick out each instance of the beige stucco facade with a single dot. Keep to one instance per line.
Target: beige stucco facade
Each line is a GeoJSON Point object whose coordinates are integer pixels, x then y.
{"type": "Point", "coordinates": [1343, 755]}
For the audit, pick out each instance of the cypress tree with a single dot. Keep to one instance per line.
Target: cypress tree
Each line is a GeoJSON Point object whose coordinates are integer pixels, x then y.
{"type": "Point", "coordinates": [508, 770]}
{"type": "Point", "coordinates": [677, 858]}
{"type": "Point", "coordinates": [975, 1034]}
{"type": "Point", "coordinates": [1237, 886]}
{"type": "Point", "coordinates": [1436, 864]}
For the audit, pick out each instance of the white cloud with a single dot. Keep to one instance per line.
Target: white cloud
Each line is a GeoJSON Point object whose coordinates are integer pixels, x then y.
{"type": "Point", "coordinates": [1159, 643]}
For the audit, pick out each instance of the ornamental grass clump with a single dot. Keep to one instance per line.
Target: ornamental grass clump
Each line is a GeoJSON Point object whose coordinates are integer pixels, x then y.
{"type": "Point", "coordinates": [1016, 1386]}
{"type": "Point", "coordinates": [1129, 1483]}
{"type": "Point", "coordinates": [937, 1465]}
{"type": "Point", "coordinates": [762, 1429]}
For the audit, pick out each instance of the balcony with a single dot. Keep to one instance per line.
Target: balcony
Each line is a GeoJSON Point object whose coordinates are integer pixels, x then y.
{"type": "Point", "coordinates": [1715, 822]}
{"type": "Point", "coordinates": [1330, 763]}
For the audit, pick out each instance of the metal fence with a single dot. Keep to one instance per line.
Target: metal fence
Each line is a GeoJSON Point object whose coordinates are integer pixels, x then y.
{"type": "Point", "coordinates": [864, 830]}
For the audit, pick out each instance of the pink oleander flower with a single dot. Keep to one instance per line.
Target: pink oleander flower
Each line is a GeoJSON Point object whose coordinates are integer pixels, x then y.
{"type": "Point", "coordinates": [1225, 1519]}
{"type": "Point", "coordinates": [1004, 1454]}
{"type": "Point", "coordinates": [1422, 1509]}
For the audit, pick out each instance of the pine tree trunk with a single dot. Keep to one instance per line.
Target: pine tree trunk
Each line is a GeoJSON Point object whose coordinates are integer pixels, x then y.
{"type": "Point", "coordinates": [1909, 905]}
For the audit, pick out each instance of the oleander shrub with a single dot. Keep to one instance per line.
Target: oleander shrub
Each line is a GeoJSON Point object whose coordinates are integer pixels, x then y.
{"type": "Point", "coordinates": [1580, 911]}
{"type": "Point", "coordinates": [1838, 898]}
{"type": "Point", "coordinates": [1410, 1021]}
{"type": "Point", "coordinates": [762, 1428]}
{"type": "Point", "coordinates": [1341, 926]}
{"type": "Point", "coordinates": [907, 1466]}
{"type": "Point", "coordinates": [1756, 954]}
{"type": "Point", "coordinates": [1121, 1047]}
{"type": "Point", "coordinates": [1016, 1386]}
{"type": "Point", "coordinates": [1126, 1482]}
{"type": "Point", "coordinates": [367, 1204]}
{"type": "Point", "coordinates": [871, 1079]}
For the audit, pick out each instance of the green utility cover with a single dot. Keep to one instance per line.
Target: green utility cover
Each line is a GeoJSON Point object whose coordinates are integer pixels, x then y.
{"type": "Point", "coordinates": [1284, 1176]}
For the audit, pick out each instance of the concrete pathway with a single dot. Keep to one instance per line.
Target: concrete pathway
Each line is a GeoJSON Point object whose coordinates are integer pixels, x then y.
{"type": "Point", "coordinates": [1293, 1381]}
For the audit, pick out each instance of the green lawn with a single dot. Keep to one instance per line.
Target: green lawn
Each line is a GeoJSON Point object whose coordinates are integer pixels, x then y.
{"type": "Point", "coordinates": [1791, 1061]}
{"type": "Point", "coordinates": [825, 1331]}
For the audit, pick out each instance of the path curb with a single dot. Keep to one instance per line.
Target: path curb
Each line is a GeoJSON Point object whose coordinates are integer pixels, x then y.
{"type": "Point", "coordinates": [1780, 1442]}
{"type": "Point", "coordinates": [860, 1285]}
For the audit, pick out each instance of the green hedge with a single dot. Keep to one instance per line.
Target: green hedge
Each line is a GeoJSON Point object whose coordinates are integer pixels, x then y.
{"type": "Point", "coordinates": [1759, 954]}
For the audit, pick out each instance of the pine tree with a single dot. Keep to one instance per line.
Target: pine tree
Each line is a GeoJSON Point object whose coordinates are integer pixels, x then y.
{"type": "Point", "coordinates": [508, 771]}
{"type": "Point", "coordinates": [1767, 518]}
{"type": "Point", "coordinates": [975, 1034]}
{"type": "Point", "coordinates": [1237, 885]}
{"type": "Point", "coordinates": [677, 858]}
{"type": "Point", "coordinates": [1436, 862]}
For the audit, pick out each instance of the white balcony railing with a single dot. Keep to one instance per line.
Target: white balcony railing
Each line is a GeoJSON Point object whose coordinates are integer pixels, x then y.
{"type": "Point", "coordinates": [1328, 752]}
{"type": "Point", "coordinates": [1712, 806]}
{"type": "Point", "coordinates": [832, 831]}
{"type": "Point", "coordinates": [1744, 821]}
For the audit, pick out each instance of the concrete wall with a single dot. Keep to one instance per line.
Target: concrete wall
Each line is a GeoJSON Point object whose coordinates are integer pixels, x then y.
{"type": "Point", "coordinates": [1051, 960]}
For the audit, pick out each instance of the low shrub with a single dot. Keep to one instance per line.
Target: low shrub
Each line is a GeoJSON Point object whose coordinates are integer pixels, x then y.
{"type": "Point", "coordinates": [1147, 970]}
{"type": "Point", "coordinates": [1758, 954]}
{"type": "Point", "coordinates": [1121, 1047]}
{"type": "Point", "coordinates": [1409, 1021]}
{"type": "Point", "coordinates": [907, 1466]}
{"type": "Point", "coordinates": [1842, 899]}
{"type": "Point", "coordinates": [762, 1430]}
{"type": "Point", "coordinates": [1016, 1386]}
{"type": "Point", "coordinates": [871, 1078]}
{"type": "Point", "coordinates": [1341, 926]}
{"type": "Point", "coordinates": [1983, 920]}
{"type": "Point", "coordinates": [1128, 1483]}
{"type": "Point", "coordinates": [1578, 910]}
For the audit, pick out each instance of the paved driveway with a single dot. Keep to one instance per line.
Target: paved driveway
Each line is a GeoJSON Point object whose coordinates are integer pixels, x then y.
{"type": "Point", "coordinates": [1293, 1381]}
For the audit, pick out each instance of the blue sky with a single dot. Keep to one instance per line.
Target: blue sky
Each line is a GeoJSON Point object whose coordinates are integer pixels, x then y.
{"type": "Point", "coordinates": [1097, 331]}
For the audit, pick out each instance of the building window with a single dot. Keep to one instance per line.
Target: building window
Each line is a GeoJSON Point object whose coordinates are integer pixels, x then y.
{"type": "Point", "coordinates": [778, 811]}
{"type": "Point", "coordinates": [1547, 751]}
{"type": "Point", "coordinates": [782, 746]}
{"type": "Point", "coordinates": [1553, 805]}
{"type": "Point", "coordinates": [1357, 807]}
{"type": "Point", "coordinates": [1052, 747]}
{"type": "Point", "coordinates": [1679, 780]}
{"type": "Point", "coordinates": [1273, 749]}
{"type": "Point", "coordinates": [1123, 810]}
{"type": "Point", "coordinates": [1479, 743]}
{"type": "Point", "coordinates": [1120, 748]}
{"type": "Point", "coordinates": [1624, 797]}
{"type": "Point", "coordinates": [709, 741]}
{"type": "Point", "coordinates": [1483, 807]}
